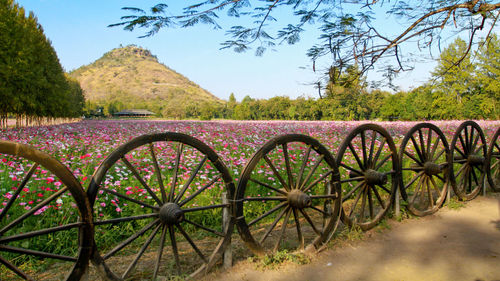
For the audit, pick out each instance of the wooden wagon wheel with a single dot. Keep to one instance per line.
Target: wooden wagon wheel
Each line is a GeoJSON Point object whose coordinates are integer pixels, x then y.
{"type": "Point", "coordinates": [424, 157]}
{"type": "Point", "coordinates": [165, 191]}
{"type": "Point", "coordinates": [493, 160]}
{"type": "Point", "coordinates": [468, 152]}
{"type": "Point", "coordinates": [369, 173]}
{"type": "Point", "coordinates": [291, 180]}
{"type": "Point", "coordinates": [45, 217]}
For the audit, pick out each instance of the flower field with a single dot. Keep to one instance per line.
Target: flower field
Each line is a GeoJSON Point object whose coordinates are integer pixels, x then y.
{"type": "Point", "coordinates": [83, 146]}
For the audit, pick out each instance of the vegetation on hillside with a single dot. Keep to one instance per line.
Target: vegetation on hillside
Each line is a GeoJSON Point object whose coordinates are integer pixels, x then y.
{"type": "Point", "coordinates": [33, 85]}
{"type": "Point", "coordinates": [471, 91]}
{"type": "Point", "coordinates": [131, 77]}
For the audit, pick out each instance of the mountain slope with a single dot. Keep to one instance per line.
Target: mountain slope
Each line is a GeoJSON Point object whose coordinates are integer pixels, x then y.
{"type": "Point", "coordinates": [131, 77]}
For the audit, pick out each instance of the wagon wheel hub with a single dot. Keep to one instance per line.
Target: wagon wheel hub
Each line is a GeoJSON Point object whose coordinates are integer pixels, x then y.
{"type": "Point", "coordinates": [171, 213]}
{"type": "Point", "coordinates": [475, 160]}
{"type": "Point", "coordinates": [298, 199]}
{"type": "Point", "coordinates": [431, 168]}
{"type": "Point", "coordinates": [373, 177]}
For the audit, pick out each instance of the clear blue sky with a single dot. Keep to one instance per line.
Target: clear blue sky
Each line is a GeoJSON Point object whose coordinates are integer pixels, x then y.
{"type": "Point", "coordinates": [79, 33]}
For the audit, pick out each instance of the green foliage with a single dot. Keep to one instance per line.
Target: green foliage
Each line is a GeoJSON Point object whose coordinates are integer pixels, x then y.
{"type": "Point", "coordinates": [454, 204]}
{"type": "Point", "coordinates": [32, 81]}
{"type": "Point", "coordinates": [272, 261]}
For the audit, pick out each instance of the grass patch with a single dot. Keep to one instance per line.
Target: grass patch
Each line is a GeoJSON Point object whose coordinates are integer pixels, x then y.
{"type": "Point", "coordinates": [454, 204]}
{"type": "Point", "coordinates": [272, 261]}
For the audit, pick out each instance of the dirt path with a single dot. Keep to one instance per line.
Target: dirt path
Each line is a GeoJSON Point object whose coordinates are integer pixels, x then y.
{"type": "Point", "coordinates": [462, 244]}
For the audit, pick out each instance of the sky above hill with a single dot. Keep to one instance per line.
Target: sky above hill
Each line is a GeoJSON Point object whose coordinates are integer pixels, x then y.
{"type": "Point", "coordinates": [80, 34]}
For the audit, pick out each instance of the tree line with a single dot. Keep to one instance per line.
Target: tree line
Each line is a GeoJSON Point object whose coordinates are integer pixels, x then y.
{"type": "Point", "coordinates": [33, 85]}
{"type": "Point", "coordinates": [470, 90]}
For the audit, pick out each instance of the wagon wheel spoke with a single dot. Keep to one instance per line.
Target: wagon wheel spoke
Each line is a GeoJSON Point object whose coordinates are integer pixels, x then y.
{"type": "Point", "coordinates": [176, 171]}
{"type": "Point", "coordinates": [267, 186]}
{"type": "Point", "coordinates": [160, 251]}
{"type": "Point", "coordinates": [434, 149]}
{"type": "Point", "coordinates": [33, 210]}
{"type": "Point", "coordinates": [191, 178]}
{"type": "Point", "coordinates": [15, 269]}
{"type": "Point", "coordinates": [141, 252]}
{"type": "Point", "coordinates": [191, 242]}
{"type": "Point", "coordinates": [129, 240]}
{"type": "Point", "coordinates": [303, 166]}
{"type": "Point", "coordinates": [379, 198]}
{"type": "Point", "coordinates": [203, 188]}
{"type": "Point", "coordinates": [310, 221]}
{"type": "Point", "coordinates": [158, 173]}
{"type": "Point", "coordinates": [417, 189]}
{"type": "Point", "coordinates": [276, 173]}
{"type": "Point", "coordinates": [141, 180]}
{"type": "Point", "coordinates": [351, 192]}
{"type": "Point", "coordinates": [314, 183]}
{"type": "Point", "coordinates": [384, 160]}
{"type": "Point", "coordinates": [479, 148]}
{"type": "Point", "coordinates": [31, 234]}
{"type": "Point", "coordinates": [461, 170]}
{"type": "Point", "coordinates": [464, 144]}
{"type": "Point", "coordinates": [196, 209]}
{"type": "Point", "coordinates": [379, 150]}
{"type": "Point", "coordinates": [41, 254]}
{"type": "Point", "coordinates": [287, 163]}
{"type": "Point", "coordinates": [412, 181]}
{"type": "Point", "coordinates": [363, 204]}
{"type": "Point", "coordinates": [126, 219]}
{"type": "Point", "coordinates": [218, 233]}
{"type": "Point", "coordinates": [351, 169]}
{"type": "Point", "coordinates": [283, 230]}
{"type": "Point", "coordinates": [355, 154]}
{"type": "Point", "coordinates": [370, 202]}
{"type": "Point", "coordinates": [276, 198]}
{"type": "Point", "coordinates": [299, 229]}
{"type": "Point", "coordinates": [352, 179]}
{"type": "Point", "coordinates": [273, 225]}
{"type": "Point", "coordinates": [417, 149]}
{"type": "Point", "coordinates": [130, 199]}
{"type": "Point", "coordinates": [474, 176]}
{"type": "Point", "coordinates": [267, 213]}
{"type": "Point", "coordinates": [312, 171]}
{"type": "Point", "coordinates": [434, 184]}
{"type": "Point", "coordinates": [428, 145]}
{"type": "Point", "coordinates": [372, 148]}
{"type": "Point", "coordinates": [422, 145]}
{"type": "Point", "coordinates": [25, 180]}
{"type": "Point", "coordinates": [429, 193]}
{"type": "Point", "coordinates": [413, 157]}
{"type": "Point", "coordinates": [319, 211]}
{"type": "Point", "coordinates": [175, 250]}
{"type": "Point", "coordinates": [363, 149]}
{"type": "Point", "coordinates": [362, 191]}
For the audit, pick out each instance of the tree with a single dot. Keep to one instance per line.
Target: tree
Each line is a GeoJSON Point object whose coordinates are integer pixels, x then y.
{"type": "Point", "coordinates": [350, 33]}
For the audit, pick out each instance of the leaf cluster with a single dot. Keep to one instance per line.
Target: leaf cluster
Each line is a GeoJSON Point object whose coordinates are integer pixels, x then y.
{"type": "Point", "coordinates": [350, 33]}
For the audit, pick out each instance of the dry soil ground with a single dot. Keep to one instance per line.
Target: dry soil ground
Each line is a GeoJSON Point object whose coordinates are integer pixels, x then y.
{"type": "Point", "coordinates": [453, 244]}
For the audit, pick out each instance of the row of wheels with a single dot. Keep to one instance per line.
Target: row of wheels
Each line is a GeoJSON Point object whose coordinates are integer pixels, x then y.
{"type": "Point", "coordinates": [165, 204]}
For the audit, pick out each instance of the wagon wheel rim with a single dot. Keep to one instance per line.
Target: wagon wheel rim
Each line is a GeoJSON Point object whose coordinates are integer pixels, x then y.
{"type": "Point", "coordinates": [369, 174]}
{"type": "Point", "coordinates": [468, 153]}
{"type": "Point", "coordinates": [301, 205]}
{"type": "Point", "coordinates": [493, 162]}
{"type": "Point", "coordinates": [424, 157]}
{"type": "Point", "coordinates": [168, 216]}
{"type": "Point", "coordinates": [22, 231]}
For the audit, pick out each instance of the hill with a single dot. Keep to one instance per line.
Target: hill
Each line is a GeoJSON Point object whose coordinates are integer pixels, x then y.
{"type": "Point", "coordinates": [131, 77]}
